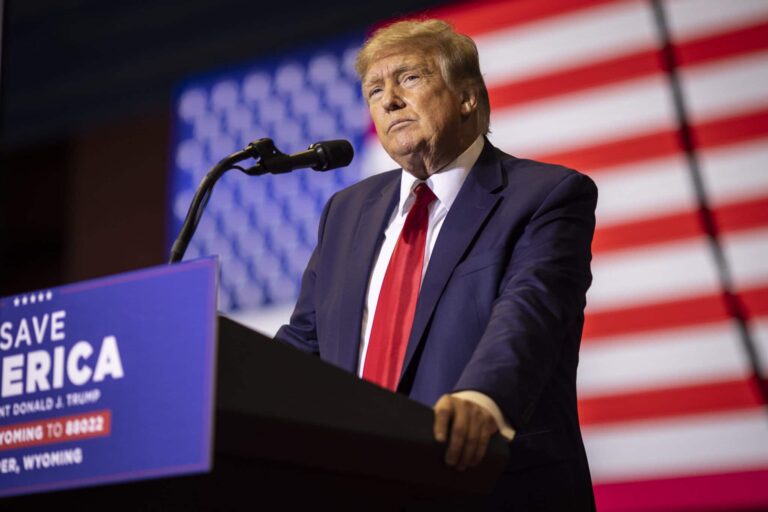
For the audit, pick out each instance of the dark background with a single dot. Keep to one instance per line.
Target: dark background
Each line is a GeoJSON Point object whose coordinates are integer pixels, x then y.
{"type": "Point", "coordinates": [85, 110]}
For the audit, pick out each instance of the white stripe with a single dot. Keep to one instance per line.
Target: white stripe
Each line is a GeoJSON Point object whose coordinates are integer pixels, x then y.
{"type": "Point", "coordinates": [643, 190]}
{"type": "Point", "coordinates": [641, 276]}
{"type": "Point", "coordinates": [696, 18]}
{"type": "Point", "coordinates": [747, 255]}
{"type": "Point", "coordinates": [584, 118]}
{"type": "Point", "coordinates": [566, 40]}
{"type": "Point", "coordinates": [726, 88]}
{"type": "Point", "coordinates": [680, 446]}
{"type": "Point", "coordinates": [736, 173]}
{"type": "Point", "coordinates": [659, 359]}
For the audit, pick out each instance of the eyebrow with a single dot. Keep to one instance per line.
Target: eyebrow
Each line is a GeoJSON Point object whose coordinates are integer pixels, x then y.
{"type": "Point", "coordinates": [397, 71]}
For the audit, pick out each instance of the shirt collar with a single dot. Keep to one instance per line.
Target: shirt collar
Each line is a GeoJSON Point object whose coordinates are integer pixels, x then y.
{"type": "Point", "coordinates": [445, 183]}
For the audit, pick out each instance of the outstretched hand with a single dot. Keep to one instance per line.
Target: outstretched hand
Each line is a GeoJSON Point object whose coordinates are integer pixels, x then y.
{"type": "Point", "coordinates": [470, 427]}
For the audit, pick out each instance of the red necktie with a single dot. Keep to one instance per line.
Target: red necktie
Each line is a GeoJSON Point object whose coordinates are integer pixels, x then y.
{"type": "Point", "coordinates": [399, 292]}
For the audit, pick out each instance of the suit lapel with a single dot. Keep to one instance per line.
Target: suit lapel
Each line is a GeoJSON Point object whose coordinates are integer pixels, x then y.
{"type": "Point", "coordinates": [465, 218]}
{"type": "Point", "coordinates": [374, 216]}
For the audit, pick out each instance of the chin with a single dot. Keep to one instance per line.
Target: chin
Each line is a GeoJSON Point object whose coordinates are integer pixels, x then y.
{"type": "Point", "coordinates": [405, 148]}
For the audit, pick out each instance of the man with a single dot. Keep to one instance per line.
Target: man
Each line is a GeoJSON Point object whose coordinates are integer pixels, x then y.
{"type": "Point", "coordinates": [459, 280]}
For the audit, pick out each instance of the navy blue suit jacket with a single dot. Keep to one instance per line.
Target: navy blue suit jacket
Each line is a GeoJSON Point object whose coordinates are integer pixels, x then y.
{"type": "Point", "coordinates": [501, 305]}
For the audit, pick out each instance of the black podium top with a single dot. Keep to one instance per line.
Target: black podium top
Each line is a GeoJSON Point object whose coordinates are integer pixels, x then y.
{"type": "Point", "coordinates": [280, 404]}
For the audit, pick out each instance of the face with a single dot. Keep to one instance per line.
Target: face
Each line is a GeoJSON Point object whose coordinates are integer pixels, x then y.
{"type": "Point", "coordinates": [421, 122]}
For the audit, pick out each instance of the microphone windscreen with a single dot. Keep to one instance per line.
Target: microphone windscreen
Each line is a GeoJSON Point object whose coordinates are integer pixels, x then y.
{"type": "Point", "coordinates": [333, 154]}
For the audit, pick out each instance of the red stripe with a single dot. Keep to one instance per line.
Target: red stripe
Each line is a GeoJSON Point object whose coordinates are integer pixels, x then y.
{"type": "Point", "coordinates": [628, 67]}
{"type": "Point", "coordinates": [656, 316]}
{"type": "Point", "coordinates": [736, 42]}
{"type": "Point", "coordinates": [754, 301]}
{"type": "Point", "coordinates": [645, 232]}
{"type": "Point", "coordinates": [744, 490]}
{"type": "Point", "coordinates": [724, 131]}
{"type": "Point", "coordinates": [608, 154]}
{"type": "Point", "coordinates": [600, 326]}
{"type": "Point", "coordinates": [710, 134]}
{"type": "Point", "coordinates": [667, 402]}
{"type": "Point", "coordinates": [566, 81]}
{"type": "Point", "coordinates": [743, 215]}
{"type": "Point", "coordinates": [492, 15]}
{"type": "Point", "coordinates": [732, 217]}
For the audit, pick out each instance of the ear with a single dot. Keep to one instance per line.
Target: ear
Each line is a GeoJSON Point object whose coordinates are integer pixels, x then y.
{"type": "Point", "coordinates": [468, 101]}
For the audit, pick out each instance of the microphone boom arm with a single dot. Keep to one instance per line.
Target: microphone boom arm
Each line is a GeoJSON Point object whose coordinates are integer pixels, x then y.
{"type": "Point", "coordinates": [321, 156]}
{"type": "Point", "coordinates": [200, 199]}
{"type": "Point", "coordinates": [262, 148]}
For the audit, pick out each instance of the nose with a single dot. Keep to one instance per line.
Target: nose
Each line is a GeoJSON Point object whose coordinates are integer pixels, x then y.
{"type": "Point", "coordinates": [391, 99]}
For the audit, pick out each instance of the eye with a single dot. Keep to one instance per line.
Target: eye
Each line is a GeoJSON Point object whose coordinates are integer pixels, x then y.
{"type": "Point", "coordinates": [410, 78]}
{"type": "Point", "coordinates": [374, 91]}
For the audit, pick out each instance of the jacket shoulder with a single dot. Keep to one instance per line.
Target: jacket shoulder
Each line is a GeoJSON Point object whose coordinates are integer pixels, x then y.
{"type": "Point", "coordinates": [544, 174]}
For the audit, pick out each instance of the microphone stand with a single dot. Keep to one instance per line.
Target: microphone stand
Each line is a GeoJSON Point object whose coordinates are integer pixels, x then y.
{"type": "Point", "coordinates": [264, 149]}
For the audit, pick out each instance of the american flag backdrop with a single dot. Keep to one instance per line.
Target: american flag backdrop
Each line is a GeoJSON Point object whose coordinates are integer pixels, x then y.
{"type": "Point", "coordinates": [665, 105]}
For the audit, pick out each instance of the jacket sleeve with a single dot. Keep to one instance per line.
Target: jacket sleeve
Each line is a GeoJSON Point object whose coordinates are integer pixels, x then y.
{"type": "Point", "coordinates": [538, 313]}
{"type": "Point", "coordinates": [301, 331]}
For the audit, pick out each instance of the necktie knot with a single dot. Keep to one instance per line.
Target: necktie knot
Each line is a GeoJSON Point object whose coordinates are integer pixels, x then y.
{"type": "Point", "coordinates": [424, 195]}
{"type": "Point", "coordinates": [415, 227]}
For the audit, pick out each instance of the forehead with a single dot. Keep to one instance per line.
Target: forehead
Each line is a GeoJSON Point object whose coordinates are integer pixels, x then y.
{"type": "Point", "coordinates": [393, 62]}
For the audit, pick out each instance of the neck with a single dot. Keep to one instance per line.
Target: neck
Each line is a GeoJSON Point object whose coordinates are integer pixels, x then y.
{"type": "Point", "coordinates": [424, 164]}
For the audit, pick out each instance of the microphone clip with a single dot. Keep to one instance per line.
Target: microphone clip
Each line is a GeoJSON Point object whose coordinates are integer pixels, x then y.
{"type": "Point", "coordinates": [270, 159]}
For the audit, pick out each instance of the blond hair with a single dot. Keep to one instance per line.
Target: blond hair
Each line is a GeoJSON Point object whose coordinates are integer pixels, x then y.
{"type": "Point", "coordinates": [456, 55]}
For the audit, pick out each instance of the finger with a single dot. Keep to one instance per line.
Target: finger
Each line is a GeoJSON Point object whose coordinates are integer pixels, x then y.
{"type": "Point", "coordinates": [474, 432]}
{"type": "Point", "coordinates": [489, 428]}
{"type": "Point", "coordinates": [443, 413]}
{"type": "Point", "coordinates": [459, 427]}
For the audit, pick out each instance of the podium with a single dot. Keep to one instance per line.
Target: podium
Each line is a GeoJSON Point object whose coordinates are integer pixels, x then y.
{"type": "Point", "coordinates": [292, 431]}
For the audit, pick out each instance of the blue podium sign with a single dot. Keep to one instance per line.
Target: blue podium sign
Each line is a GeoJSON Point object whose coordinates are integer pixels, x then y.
{"type": "Point", "coordinates": [108, 380]}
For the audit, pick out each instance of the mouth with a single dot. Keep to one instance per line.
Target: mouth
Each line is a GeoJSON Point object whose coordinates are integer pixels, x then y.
{"type": "Point", "coordinates": [394, 125]}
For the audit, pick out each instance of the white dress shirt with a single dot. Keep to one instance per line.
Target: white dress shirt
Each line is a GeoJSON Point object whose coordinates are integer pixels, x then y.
{"type": "Point", "coordinates": [445, 184]}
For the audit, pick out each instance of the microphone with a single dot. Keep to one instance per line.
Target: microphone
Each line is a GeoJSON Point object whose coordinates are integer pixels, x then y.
{"type": "Point", "coordinates": [320, 156]}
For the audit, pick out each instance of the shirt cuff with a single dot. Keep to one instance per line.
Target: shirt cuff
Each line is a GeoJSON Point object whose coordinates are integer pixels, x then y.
{"type": "Point", "coordinates": [487, 403]}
